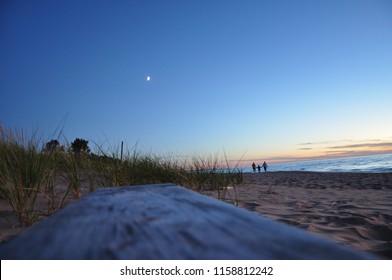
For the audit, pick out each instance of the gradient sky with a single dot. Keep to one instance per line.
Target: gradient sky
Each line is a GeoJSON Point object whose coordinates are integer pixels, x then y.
{"type": "Point", "coordinates": [274, 80]}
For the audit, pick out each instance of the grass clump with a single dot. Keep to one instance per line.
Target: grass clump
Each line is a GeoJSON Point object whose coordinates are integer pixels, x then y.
{"type": "Point", "coordinates": [24, 172]}
{"type": "Point", "coordinates": [30, 170]}
{"type": "Point", "coordinates": [212, 174]}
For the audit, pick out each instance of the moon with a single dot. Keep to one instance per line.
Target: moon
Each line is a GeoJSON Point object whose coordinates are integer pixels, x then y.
{"type": "Point", "coordinates": [148, 78]}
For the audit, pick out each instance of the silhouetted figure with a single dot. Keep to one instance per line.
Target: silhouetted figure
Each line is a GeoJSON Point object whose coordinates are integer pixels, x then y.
{"type": "Point", "coordinates": [254, 167]}
{"type": "Point", "coordinates": [265, 166]}
{"type": "Point", "coordinates": [258, 167]}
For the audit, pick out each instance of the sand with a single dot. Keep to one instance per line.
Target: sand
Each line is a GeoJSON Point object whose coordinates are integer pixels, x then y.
{"type": "Point", "coordinates": [9, 224]}
{"type": "Point", "coordinates": [354, 209]}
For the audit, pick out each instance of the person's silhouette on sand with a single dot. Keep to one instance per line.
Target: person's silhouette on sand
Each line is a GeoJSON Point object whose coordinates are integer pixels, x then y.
{"type": "Point", "coordinates": [258, 167]}
{"type": "Point", "coordinates": [265, 165]}
{"type": "Point", "coordinates": [254, 167]}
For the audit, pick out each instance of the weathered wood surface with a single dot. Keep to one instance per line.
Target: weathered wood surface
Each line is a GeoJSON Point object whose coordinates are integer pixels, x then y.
{"type": "Point", "coordinates": [165, 222]}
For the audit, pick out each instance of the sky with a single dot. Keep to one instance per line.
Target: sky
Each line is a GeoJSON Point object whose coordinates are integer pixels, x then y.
{"type": "Point", "coordinates": [253, 80]}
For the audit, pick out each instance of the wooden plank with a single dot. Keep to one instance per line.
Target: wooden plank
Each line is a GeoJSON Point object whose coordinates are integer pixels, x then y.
{"type": "Point", "coordinates": [165, 222]}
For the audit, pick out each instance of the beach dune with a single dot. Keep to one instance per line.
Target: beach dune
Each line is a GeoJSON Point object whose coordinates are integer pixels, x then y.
{"type": "Point", "coordinates": [354, 209]}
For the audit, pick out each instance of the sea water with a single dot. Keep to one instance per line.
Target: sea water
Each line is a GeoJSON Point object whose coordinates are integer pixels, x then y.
{"type": "Point", "coordinates": [376, 163]}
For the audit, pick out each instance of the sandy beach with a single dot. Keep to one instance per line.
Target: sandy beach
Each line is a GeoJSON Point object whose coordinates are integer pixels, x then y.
{"type": "Point", "coordinates": [354, 209]}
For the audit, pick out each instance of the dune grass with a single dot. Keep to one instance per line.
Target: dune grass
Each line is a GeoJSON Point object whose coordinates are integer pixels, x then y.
{"type": "Point", "coordinates": [29, 172]}
{"type": "Point", "coordinates": [24, 172]}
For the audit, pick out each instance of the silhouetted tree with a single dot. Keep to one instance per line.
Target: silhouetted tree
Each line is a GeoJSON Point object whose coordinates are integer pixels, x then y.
{"type": "Point", "coordinates": [80, 146]}
{"type": "Point", "coordinates": [53, 145]}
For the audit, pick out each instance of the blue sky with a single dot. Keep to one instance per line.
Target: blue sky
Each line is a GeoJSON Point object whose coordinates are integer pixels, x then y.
{"type": "Point", "coordinates": [274, 80]}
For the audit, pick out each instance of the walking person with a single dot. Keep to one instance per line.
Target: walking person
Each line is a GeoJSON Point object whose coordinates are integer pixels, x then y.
{"type": "Point", "coordinates": [258, 168]}
{"type": "Point", "coordinates": [254, 167]}
{"type": "Point", "coordinates": [265, 165]}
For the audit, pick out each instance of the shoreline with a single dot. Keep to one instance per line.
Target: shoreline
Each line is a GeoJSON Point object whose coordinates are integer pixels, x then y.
{"type": "Point", "coordinates": [378, 163]}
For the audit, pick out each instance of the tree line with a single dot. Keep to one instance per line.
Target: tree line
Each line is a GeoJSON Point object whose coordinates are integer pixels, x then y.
{"type": "Point", "coordinates": [78, 146]}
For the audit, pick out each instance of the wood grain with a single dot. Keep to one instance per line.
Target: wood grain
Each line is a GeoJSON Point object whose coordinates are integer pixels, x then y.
{"type": "Point", "coordinates": [165, 222]}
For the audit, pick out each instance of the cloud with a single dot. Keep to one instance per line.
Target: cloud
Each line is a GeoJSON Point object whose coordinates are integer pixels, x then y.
{"type": "Point", "coordinates": [363, 145]}
{"type": "Point", "coordinates": [353, 144]}
{"type": "Point", "coordinates": [353, 153]}
{"type": "Point", "coordinates": [328, 149]}
{"type": "Point", "coordinates": [342, 148]}
{"type": "Point", "coordinates": [323, 142]}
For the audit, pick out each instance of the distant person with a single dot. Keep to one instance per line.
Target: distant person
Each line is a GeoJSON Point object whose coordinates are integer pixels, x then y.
{"type": "Point", "coordinates": [265, 165]}
{"type": "Point", "coordinates": [254, 167]}
{"type": "Point", "coordinates": [258, 167]}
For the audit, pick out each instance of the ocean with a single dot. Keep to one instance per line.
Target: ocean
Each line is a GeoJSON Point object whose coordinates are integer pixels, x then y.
{"type": "Point", "coordinates": [377, 163]}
